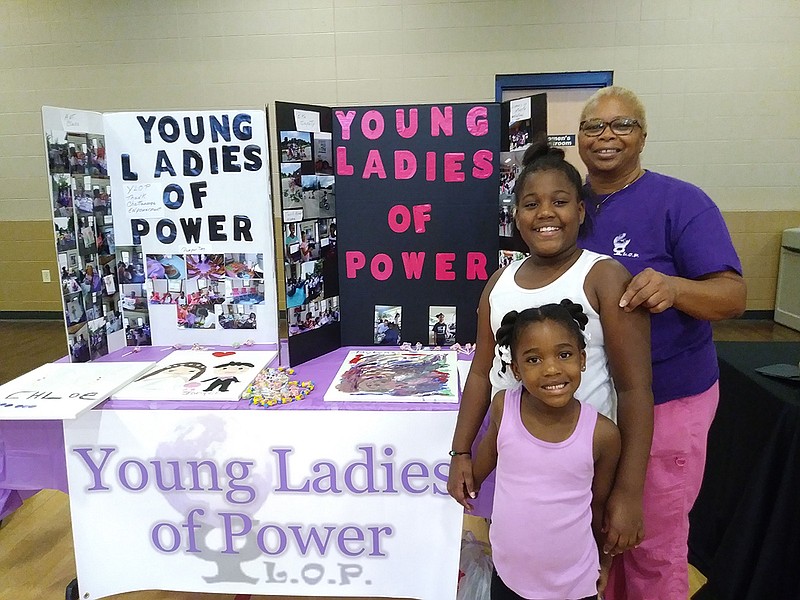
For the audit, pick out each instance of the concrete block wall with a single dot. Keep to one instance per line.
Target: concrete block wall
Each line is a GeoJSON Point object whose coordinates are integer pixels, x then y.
{"type": "Point", "coordinates": [720, 79]}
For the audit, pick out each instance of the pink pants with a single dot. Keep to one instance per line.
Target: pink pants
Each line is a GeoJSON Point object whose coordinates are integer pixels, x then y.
{"type": "Point", "coordinates": [658, 568]}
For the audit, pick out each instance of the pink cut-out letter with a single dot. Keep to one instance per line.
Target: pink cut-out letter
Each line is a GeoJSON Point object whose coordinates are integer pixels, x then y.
{"type": "Point", "coordinates": [399, 218]}
{"type": "Point", "coordinates": [421, 216]}
{"type": "Point", "coordinates": [444, 266]}
{"type": "Point", "coordinates": [430, 166]}
{"type": "Point", "coordinates": [405, 164]}
{"type": "Point", "coordinates": [477, 123]}
{"type": "Point", "coordinates": [441, 122]}
{"type": "Point", "coordinates": [370, 131]}
{"type": "Point", "coordinates": [476, 266]}
{"type": "Point", "coordinates": [410, 130]}
{"type": "Point", "coordinates": [483, 167]}
{"type": "Point", "coordinates": [381, 267]}
{"type": "Point", "coordinates": [374, 165]}
{"type": "Point", "coordinates": [413, 262]}
{"type": "Point", "coordinates": [342, 168]}
{"type": "Point", "coordinates": [452, 166]}
{"type": "Point", "coordinates": [345, 120]}
{"type": "Point", "coordinates": [354, 260]}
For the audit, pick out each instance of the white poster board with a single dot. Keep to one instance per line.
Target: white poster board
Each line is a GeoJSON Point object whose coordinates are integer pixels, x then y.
{"type": "Point", "coordinates": [194, 196]}
{"type": "Point", "coordinates": [307, 503]}
{"type": "Point", "coordinates": [57, 391]}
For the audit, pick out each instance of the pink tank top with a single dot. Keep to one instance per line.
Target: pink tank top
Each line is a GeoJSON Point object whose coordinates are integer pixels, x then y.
{"type": "Point", "coordinates": [541, 531]}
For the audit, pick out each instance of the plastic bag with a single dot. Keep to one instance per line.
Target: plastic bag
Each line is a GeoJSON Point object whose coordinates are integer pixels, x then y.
{"type": "Point", "coordinates": [476, 567]}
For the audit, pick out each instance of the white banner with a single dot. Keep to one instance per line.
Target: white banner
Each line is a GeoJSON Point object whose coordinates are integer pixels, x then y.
{"type": "Point", "coordinates": [309, 503]}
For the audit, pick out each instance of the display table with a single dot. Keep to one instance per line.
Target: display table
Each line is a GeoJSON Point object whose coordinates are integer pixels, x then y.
{"type": "Point", "coordinates": [308, 498]}
{"type": "Point", "coordinates": [745, 525]}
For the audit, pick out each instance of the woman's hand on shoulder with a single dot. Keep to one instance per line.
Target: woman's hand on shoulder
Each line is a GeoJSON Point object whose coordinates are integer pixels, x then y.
{"type": "Point", "coordinates": [651, 289]}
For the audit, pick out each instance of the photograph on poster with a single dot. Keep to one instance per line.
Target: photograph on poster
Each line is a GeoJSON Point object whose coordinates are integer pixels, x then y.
{"type": "Point", "coordinates": [314, 315]}
{"type": "Point", "coordinates": [90, 281]}
{"type": "Point", "coordinates": [205, 266]}
{"type": "Point", "coordinates": [108, 275]}
{"type": "Point", "coordinates": [319, 196]}
{"type": "Point", "coordinates": [57, 152]}
{"type": "Point", "coordinates": [77, 148]}
{"type": "Point", "coordinates": [78, 342]}
{"type": "Point", "coordinates": [244, 291]}
{"type": "Point", "coordinates": [244, 266]}
{"type": "Point", "coordinates": [93, 305]}
{"type": "Point", "coordinates": [113, 320]}
{"type": "Point", "coordinates": [388, 324]}
{"type": "Point", "coordinates": [519, 134]}
{"type": "Point", "coordinates": [508, 256]}
{"type": "Point", "coordinates": [82, 198]}
{"type": "Point", "coordinates": [101, 201]}
{"type": "Point", "coordinates": [97, 156]}
{"type": "Point", "coordinates": [65, 234]}
{"type": "Point", "coordinates": [304, 282]}
{"type": "Point", "coordinates": [133, 297]}
{"type": "Point", "coordinates": [130, 264]}
{"type": "Point", "coordinates": [237, 316]}
{"type": "Point", "coordinates": [291, 187]}
{"type": "Point", "coordinates": [442, 325]}
{"type": "Point", "coordinates": [98, 343]}
{"type": "Point", "coordinates": [105, 237]}
{"type": "Point", "coordinates": [323, 153]}
{"type": "Point", "coordinates": [62, 195]}
{"type": "Point", "coordinates": [395, 376]}
{"type": "Point", "coordinates": [197, 316]}
{"type": "Point", "coordinates": [87, 240]}
{"type": "Point", "coordinates": [137, 328]}
{"type": "Point", "coordinates": [73, 309]}
{"type": "Point", "coordinates": [307, 246]}
{"type": "Point", "coordinates": [295, 146]}
{"type": "Point", "coordinates": [166, 266]}
{"type": "Point", "coordinates": [159, 292]}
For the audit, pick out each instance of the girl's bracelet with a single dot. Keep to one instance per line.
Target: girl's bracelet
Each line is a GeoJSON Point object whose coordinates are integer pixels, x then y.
{"type": "Point", "coordinates": [454, 453]}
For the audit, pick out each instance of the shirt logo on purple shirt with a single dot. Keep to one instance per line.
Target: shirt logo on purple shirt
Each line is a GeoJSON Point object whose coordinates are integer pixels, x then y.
{"type": "Point", "coordinates": [621, 244]}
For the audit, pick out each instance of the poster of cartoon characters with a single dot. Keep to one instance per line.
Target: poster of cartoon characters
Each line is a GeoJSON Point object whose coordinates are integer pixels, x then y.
{"type": "Point", "coordinates": [198, 375]}
{"type": "Point", "coordinates": [395, 376]}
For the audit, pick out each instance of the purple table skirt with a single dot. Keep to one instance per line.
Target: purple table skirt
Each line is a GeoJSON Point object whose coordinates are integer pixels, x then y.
{"type": "Point", "coordinates": [32, 452]}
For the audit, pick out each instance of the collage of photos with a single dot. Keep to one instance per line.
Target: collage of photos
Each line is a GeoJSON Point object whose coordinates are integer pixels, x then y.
{"type": "Point", "coordinates": [308, 197]}
{"type": "Point", "coordinates": [83, 230]}
{"type": "Point", "coordinates": [208, 291]}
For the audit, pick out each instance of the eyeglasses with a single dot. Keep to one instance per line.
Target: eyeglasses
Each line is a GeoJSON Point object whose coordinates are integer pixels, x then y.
{"type": "Point", "coordinates": [618, 125]}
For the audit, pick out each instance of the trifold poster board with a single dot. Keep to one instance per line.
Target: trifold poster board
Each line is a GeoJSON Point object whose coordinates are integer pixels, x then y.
{"type": "Point", "coordinates": [309, 246]}
{"type": "Point", "coordinates": [185, 244]}
{"type": "Point", "coordinates": [396, 376]}
{"type": "Point", "coordinates": [405, 199]}
{"type": "Point", "coordinates": [57, 391]}
{"type": "Point", "coordinates": [218, 375]}
{"type": "Point", "coordinates": [230, 502]}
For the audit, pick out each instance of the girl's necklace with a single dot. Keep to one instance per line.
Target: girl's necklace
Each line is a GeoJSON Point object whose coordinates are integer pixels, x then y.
{"type": "Point", "coordinates": [598, 205]}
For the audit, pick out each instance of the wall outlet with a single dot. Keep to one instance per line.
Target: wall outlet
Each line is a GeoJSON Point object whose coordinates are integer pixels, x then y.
{"type": "Point", "coordinates": [46, 276]}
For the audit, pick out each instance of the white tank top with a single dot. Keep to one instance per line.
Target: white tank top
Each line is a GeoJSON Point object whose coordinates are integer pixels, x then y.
{"type": "Point", "coordinates": [596, 386]}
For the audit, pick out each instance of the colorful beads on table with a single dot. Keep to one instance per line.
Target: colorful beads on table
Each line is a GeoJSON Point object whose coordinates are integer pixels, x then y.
{"type": "Point", "coordinates": [274, 386]}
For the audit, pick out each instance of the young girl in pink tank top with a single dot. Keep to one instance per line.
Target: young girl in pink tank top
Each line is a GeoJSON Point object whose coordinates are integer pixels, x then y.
{"type": "Point", "coordinates": [555, 459]}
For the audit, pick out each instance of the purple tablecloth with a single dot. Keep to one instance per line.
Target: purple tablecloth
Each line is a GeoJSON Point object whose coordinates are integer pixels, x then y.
{"type": "Point", "coordinates": [32, 452]}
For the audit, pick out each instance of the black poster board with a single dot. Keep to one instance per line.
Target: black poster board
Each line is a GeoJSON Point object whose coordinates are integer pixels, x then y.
{"type": "Point", "coordinates": [417, 214]}
{"type": "Point", "coordinates": [309, 229]}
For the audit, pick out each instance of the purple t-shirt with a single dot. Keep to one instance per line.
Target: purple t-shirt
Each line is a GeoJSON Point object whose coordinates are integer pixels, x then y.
{"type": "Point", "coordinates": [675, 228]}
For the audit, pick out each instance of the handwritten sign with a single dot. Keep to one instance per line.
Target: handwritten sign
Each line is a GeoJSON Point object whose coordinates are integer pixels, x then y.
{"type": "Point", "coordinates": [64, 390]}
{"type": "Point", "coordinates": [306, 120]}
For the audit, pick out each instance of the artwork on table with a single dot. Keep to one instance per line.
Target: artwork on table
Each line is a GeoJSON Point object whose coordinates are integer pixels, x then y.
{"type": "Point", "coordinates": [65, 390]}
{"type": "Point", "coordinates": [395, 376]}
{"type": "Point", "coordinates": [198, 375]}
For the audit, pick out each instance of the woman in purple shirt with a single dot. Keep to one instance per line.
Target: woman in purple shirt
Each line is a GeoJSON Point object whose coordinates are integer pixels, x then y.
{"type": "Point", "coordinates": [673, 240]}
